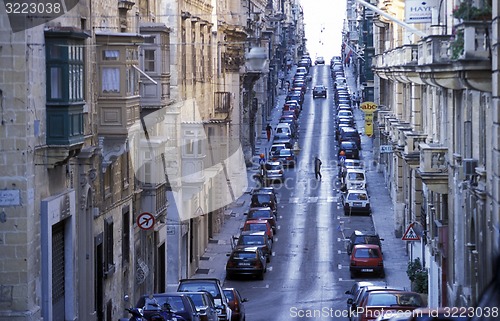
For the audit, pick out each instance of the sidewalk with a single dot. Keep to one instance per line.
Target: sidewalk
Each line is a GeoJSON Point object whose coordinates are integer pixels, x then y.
{"type": "Point", "coordinates": [395, 256]}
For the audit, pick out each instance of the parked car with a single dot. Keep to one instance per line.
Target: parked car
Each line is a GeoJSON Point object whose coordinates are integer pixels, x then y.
{"type": "Point", "coordinates": [264, 198]}
{"type": "Point", "coordinates": [350, 149]}
{"type": "Point", "coordinates": [355, 179]}
{"type": "Point", "coordinates": [350, 134]}
{"type": "Point", "coordinates": [256, 238]}
{"type": "Point", "coordinates": [259, 225]}
{"type": "Point", "coordinates": [205, 305]}
{"type": "Point", "coordinates": [356, 201]}
{"type": "Point", "coordinates": [214, 287]}
{"type": "Point", "coordinates": [274, 172]}
{"type": "Point", "coordinates": [379, 302]}
{"type": "Point", "coordinates": [357, 286]}
{"type": "Point", "coordinates": [361, 295]}
{"type": "Point", "coordinates": [157, 304]}
{"type": "Point", "coordinates": [286, 157]}
{"type": "Point", "coordinates": [363, 237]}
{"type": "Point", "coordinates": [262, 213]}
{"type": "Point", "coordinates": [366, 258]}
{"type": "Point", "coordinates": [246, 261]}
{"type": "Point", "coordinates": [236, 303]}
{"type": "Point", "coordinates": [319, 91]}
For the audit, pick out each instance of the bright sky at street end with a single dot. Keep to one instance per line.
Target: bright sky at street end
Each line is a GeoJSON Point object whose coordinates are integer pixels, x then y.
{"type": "Point", "coordinates": [323, 26]}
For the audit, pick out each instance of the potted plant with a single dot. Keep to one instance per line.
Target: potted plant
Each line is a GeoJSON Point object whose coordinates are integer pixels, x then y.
{"type": "Point", "coordinates": [457, 45]}
{"type": "Point", "coordinates": [418, 276]}
{"type": "Point", "coordinates": [467, 11]}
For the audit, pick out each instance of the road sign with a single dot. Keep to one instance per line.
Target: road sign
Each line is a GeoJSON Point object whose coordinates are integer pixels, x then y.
{"type": "Point", "coordinates": [342, 159]}
{"type": "Point", "coordinates": [410, 234]}
{"type": "Point", "coordinates": [386, 148]}
{"type": "Point", "coordinates": [145, 221]}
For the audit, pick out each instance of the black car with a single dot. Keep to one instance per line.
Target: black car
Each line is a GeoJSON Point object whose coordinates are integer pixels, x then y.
{"type": "Point", "coordinates": [246, 260]}
{"type": "Point", "coordinates": [157, 304]}
{"type": "Point", "coordinates": [264, 198]}
{"type": "Point", "coordinates": [319, 91]}
{"type": "Point", "coordinates": [359, 237]}
{"type": "Point", "coordinates": [205, 305]}
{"type": "Point", "coordinates": [212, 286]}
{"type": "Point", "coordinates": [350, 134]}
{"type": "Point", "coordinates": [349, 149]}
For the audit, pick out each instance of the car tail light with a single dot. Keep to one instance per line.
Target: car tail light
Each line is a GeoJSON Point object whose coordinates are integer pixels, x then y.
{"type": "Point", "coordinates": [230, 264]}
{"type": "Point", "coordinates": [258, 264]}
{"type": "Point", "coordinates": [289, 158]}
{"type": "Point", "coordinates": [353, 263]}
{"type": "Point", "coordinates": [281, 172]}
{"type": "Point", "coordinates": [381, 263]}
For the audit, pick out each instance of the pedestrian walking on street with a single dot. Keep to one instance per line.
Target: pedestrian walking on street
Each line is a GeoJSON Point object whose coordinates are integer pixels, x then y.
{"type": "Point", "coordinates": [268, 131]}
{"type": "Point", "coordinates": [317, 167]}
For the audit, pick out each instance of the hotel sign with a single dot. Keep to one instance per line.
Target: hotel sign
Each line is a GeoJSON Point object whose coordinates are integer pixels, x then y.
{"type": "Point", "coordinates": [420, 11]}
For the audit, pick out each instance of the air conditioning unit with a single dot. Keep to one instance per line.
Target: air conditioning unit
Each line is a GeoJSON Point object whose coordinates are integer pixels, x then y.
{"type": "Point", "coordinates": [469, 167]}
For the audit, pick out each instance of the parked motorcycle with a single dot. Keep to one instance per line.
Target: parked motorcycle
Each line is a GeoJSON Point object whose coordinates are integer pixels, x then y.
{"type": "Point", "coordinates": [166, 314]}
{"type": "Point", "coordinates": [137, 315]}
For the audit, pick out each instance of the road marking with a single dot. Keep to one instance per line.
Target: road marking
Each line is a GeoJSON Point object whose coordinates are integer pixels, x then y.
{"type": "Point", "coordinates": [261, 287]}
{"type": "Point", "coordinates": [331, 199]}
{"type": "Point", "coordinates": [313, 199]}
{"type": "Point", "coordinates": [294, 200]}
{"type": "Point", "coordinates": [275, 239]}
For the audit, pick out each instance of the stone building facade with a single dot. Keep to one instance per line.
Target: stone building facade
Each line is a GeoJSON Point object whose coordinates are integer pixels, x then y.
{"type": "Point", "coordinates": [435, 87]}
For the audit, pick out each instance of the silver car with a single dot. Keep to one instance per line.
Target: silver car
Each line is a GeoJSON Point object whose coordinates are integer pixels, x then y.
{"type": "Point", "coordinates": [274, 171]}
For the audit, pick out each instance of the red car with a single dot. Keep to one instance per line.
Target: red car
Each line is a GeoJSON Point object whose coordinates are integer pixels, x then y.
{"type": "Point", "coordinates": [366, 258]}
{"type": "Point", "coordinates": [259, 225]}
{"type": "Point", "coordinates": [379, 302]}
{"type": "Point", "coordinates": [236, 303]}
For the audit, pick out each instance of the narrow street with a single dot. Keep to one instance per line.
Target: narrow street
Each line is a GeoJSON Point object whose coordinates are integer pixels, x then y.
{"type": "Point", "coordinates": [309, 271]}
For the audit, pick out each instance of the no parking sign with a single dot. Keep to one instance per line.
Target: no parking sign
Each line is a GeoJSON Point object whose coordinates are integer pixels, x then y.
{"type": "Point", "coordinates": [145, 221]}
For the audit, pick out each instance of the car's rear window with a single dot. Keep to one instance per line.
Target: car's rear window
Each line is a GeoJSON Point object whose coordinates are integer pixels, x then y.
{"type": "Point", "coordinates": [175, 303]}
{"type": "Point", "coordinates": [366, 253]}
{"type": "Point", "coordinates": [199, 287]}
{"type": "Point", "coordinates": [356, 176]}
{"type": "Point", "coordinates": [273, 167]}
{"type": "Point", "coordinates": [251, 240]}
{"type": "Point", "coordinates": [357, 197]}
{"type": "Point", "coordinates": [388, 299]}
{"type": "Point", "coordinates": [256, 227]}
{"type": "Point", "coordinates": [261, 213]}
{"type": "Point", "coordinates": [262, 198]}
{"type": "Point", "coordinates": [243, 255]}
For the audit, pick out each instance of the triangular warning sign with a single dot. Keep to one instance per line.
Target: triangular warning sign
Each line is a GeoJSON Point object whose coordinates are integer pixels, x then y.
{"type": "Point", "coordinates": [410, 234]}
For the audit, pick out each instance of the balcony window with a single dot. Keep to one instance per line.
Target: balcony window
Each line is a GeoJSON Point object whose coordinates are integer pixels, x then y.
{"type": "Point", "coordinates": [65, 79]}
{"type": "Point", "coordinates": [149, 60]}
{"type": "Point", "coordinates": [110, 82]}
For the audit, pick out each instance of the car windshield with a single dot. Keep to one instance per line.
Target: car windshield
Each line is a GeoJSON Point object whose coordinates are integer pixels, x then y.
{"type": "Point", "coordinates": [261, 198]}
{"type": "Point", "coordinates": [251, 240]}
{"type": "Point", "coordinates": [391, 299]}
{"type": "Point", "coordinates": [366, 254]}
{"type": "Point", "coordinates": [357, 197]}
{"type": "Point", "coordinates": [229, 295]}
{"type": "Point", "coordinates": [356, 176]}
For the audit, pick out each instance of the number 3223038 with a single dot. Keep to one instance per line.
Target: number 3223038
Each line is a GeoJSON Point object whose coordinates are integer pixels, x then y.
{"type": "Point", "coordinates": [33, 8]}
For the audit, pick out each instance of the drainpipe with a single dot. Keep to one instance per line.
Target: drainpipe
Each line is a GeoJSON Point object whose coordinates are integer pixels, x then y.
{"type": "Point", "coordinates": [392, 18]}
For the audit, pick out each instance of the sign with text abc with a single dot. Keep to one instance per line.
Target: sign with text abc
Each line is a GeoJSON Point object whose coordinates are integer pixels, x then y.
{"type": "Point", "coordinates": [368, 107]}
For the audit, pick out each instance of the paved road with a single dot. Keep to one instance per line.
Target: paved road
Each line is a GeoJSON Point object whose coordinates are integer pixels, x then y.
{"type": "Point", "coordinates": [309, 272]}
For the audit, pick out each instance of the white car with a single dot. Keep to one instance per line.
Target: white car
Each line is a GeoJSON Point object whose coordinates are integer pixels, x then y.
{"type": "Point", "coordinates": [356, 201]}
{"type": "Point", "coordinates": [355, 179]}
